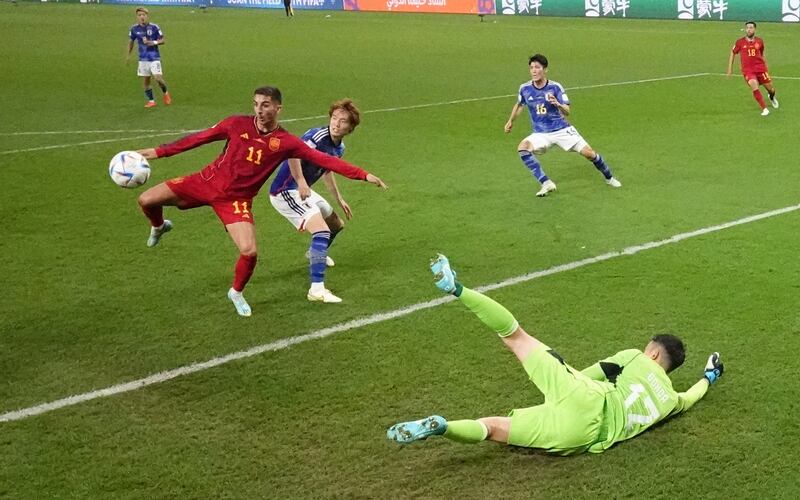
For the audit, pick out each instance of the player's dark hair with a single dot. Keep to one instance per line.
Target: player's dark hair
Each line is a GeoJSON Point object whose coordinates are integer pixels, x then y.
{"type": "Point", "coordinates": [751, 22]}
{"type": "Point", "coordinates": [348, 107]}
{"type": "Point", "coordinates": [673, 346]}
{"type": "Point", "coordinates": [272, 92]}
{"type": "Point", "coordinates": [539, 58]}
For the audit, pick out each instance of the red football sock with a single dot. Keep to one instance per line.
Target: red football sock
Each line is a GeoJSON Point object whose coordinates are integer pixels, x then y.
{"type": "Point", "coordinates": [759, 98]}
{"type": "Point", "coordinates": [155, 214]}
{"type": "Point", "coordinates": [244, 269]}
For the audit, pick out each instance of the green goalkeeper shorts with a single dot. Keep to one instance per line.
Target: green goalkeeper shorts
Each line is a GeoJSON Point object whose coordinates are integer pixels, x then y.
{"type": "Point", "coordinates": [571, 417]}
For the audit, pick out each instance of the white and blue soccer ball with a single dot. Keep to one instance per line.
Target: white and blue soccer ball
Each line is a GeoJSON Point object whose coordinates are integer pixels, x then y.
{"type": "Point", "coordinates": [129, 169]}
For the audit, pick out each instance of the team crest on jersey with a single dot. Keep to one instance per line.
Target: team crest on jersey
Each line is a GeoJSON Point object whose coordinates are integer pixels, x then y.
{"type": "Point", "coordinates": [274, 144]}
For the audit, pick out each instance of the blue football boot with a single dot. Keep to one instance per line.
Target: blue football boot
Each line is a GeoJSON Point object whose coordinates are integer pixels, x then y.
{"type": "Point", "coordinates": [407, 432]}
{"type": "Point", "coordinates": [444, 277]}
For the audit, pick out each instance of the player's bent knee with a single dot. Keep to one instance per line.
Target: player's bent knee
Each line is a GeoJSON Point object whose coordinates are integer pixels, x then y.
{"type": "Point", "coordinates": [249, 251]}
{"type": "Point", "coordinates": [146, 199]}
{"type": "Point", "coordinates": [525, 146]}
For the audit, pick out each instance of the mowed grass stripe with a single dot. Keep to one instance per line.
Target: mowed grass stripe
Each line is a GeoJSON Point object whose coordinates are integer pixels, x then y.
{"type": "Point", "coordinates": [317, 117]}
{"type": "Point", "coordinates": [164, 376]}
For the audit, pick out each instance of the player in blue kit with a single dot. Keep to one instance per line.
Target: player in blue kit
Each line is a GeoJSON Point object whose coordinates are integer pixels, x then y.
{"type": "Point", "coordinates": [148, 36]}
{"type": "Point", "coordinates": [292, 196]}
{"type": "Point", "coordinates": [548, 105]}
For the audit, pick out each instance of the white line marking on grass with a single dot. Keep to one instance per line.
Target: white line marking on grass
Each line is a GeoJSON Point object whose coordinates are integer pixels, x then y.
{"type": "Point", "coordinates": [771, 77]}
{"type": "Point", "coordinates": [86, 143]}
{"type": "Point", "coordinates": [315, 117]}
{"type": "Point", "coordinates": [67, 132]}
{"type": "Point", "coordinates": [278, 345]}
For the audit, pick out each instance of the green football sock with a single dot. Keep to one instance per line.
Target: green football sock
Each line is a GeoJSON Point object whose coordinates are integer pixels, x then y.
{"type": "Point", "coordinates": [466, 431]}
{"type": "Point", "coordinates": [493, 315]}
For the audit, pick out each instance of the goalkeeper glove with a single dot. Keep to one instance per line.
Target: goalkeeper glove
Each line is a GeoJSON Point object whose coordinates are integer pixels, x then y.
{"type": "Point", "coordinates": [714, 368]}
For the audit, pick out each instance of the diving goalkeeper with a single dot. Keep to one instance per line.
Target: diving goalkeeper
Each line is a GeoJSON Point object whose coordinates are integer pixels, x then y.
{"type": "Point", "coordinates": [589, 410]}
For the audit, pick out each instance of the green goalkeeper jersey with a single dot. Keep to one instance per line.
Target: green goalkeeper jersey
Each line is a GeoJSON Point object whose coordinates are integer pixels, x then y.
{"type": "Point", "coordinates": [639, 395]}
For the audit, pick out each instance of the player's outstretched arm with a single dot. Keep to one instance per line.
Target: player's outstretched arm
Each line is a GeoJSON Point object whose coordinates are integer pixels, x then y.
{"type": "Point", "coordinates": [299, 149]}
{"type": "Point", "coordinates": [712, 373]}
{"type": "Point", "coordinates": [374, 179]}
{"type": "Point", "coordinates": [149, 153]}
{"type": "Point", "coordinates": [216, 133]}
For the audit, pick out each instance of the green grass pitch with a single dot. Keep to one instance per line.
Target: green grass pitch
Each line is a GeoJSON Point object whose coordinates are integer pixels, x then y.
{"type": "Point", "coordinates": [85, 305]}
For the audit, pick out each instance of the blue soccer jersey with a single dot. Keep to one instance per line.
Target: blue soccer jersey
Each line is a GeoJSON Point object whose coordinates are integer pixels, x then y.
{"type": "Point", "coordinates": [545, 117]}
{"type": "Point", "coordinates": [318, 138]}
{"type": "Point", "coordinates": [151, 32]}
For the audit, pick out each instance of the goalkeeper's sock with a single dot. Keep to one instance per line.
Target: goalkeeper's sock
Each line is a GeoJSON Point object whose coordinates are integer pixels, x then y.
{"type": "Point", "coordinates": [493, 315]}
{"type": "Point", "coordinates": [600, 164]}
{"type": "Point", "coordinates": [466, 431]}
{"type": "Point", "coordinates": [760, 98]}
{"type": "Point", "coordinates": [163, 87]}
{"type": "Point", "coordinates": [533, 165]}
{"type": "Point", "coordinates": [149, 94]}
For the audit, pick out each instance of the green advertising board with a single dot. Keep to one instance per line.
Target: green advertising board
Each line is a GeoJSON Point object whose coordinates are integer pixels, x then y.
{"type": "Point", "coordinates": [703, 10]}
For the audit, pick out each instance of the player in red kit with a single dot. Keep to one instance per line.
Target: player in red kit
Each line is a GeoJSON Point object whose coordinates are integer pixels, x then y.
{"type": "Point", "coordinates": [254, 147]}
{"type": "Point", "coordinates": [754, 68]}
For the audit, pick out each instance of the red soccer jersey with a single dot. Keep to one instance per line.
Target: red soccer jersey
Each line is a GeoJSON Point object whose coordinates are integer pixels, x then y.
{"type": "Point", "coordinates": [752, 53]}
{"type": "Point", "coordinates": [249, 157]}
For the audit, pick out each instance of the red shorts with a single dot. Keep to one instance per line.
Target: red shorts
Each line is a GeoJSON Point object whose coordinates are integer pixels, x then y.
{"type": "Point", "coordinates": [761, 77]}
{"type": "Point", "coordinates": [196, 192]}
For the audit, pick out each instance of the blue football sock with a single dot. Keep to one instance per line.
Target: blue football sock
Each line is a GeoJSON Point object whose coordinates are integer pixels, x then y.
{"type": "Point", "coordinates": [163, 87]}
{"type": "Point", "coordinates": [149, 94]}
{"type": "Point", "coordinates": [318, 251]}
{"type": "Point", "coordinates": [533, 165]}
{"type": "Point", "coordinates": [600, 164]}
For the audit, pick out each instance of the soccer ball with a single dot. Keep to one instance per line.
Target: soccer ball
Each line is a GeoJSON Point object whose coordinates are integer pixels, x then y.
{"type": "Point", "coordinates": [129, 169]}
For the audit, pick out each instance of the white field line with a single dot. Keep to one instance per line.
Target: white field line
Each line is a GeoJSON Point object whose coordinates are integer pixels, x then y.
{"type": "Point", "coordinates": [316, 117]}
{"type": "Point", "coordinates": [86, 143]}
{"type": "Point", "coordinates": [771, 77]}
{"type": "Point", "coordinates": [281, 344]}
{"type": "Point", "coordinates": [77, 132]}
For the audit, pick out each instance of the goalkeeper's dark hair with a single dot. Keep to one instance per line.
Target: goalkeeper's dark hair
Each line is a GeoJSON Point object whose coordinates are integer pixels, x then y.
{"type": "Point", "coordinates": [272, 92]}
{"type": "Point", "coordinates": [673, 347]}
{"type": "Point", "coordinates": [539, 58]}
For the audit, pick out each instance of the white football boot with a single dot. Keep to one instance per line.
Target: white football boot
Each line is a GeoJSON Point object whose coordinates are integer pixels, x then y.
{"type": "Point", "coordinates": [241, 305]}
{"type": "Point", "coordinates": [547, 187]}
{"type": "Point", "coordinates": [157, 232]}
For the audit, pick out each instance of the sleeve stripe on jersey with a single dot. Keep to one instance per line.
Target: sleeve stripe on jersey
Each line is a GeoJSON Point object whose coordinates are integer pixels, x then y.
{"type": "Point", "coordinates": [321, 134]}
